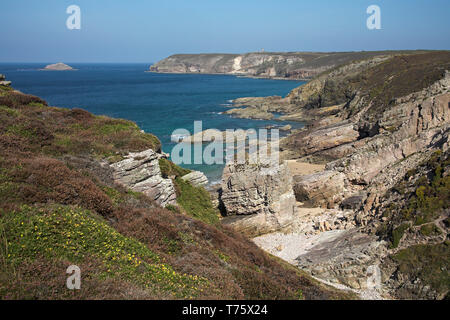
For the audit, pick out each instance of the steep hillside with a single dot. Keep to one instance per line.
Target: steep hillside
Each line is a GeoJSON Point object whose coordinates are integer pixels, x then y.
{"type": "Point", "coordinates": [287, 65]}
{"type": "Point", "coordinates": [64, 200]}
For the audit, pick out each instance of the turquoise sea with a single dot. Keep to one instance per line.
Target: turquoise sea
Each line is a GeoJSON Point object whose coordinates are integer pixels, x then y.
{"type": "Point", "coordinates": [158, 103]}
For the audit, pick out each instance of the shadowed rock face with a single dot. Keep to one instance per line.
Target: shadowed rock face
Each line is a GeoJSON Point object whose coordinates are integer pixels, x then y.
{"type": "Point", "coordinates": [258, 199]}
{"type": "Point", "coordinates": [140, 172]}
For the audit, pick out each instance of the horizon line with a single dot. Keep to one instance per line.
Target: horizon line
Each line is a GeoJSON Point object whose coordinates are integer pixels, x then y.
{"type": "Point", "coordinates": [212, 53]}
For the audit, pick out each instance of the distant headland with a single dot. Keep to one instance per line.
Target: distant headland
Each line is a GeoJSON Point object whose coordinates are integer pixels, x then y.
{"type": "Point", "coordinates": [272, 65]}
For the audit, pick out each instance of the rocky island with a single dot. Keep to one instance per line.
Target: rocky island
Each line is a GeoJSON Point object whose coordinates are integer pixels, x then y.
{"type": "Point", "coordinates": [58, 67]}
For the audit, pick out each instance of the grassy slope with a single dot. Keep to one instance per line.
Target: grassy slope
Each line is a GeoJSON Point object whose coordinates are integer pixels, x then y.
{"type": "Point", "coordinates": [59, 206]}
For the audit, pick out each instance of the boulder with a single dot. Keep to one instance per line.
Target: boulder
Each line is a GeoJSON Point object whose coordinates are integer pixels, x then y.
{"type": "Point", "coordinates": [354, 202]}
{"type": "Point", "coordinates": [327, 137]}
{"type": "Point", "coordinates": [322, 189]}
{"type": "Point", "coordinates": [5, 83]}
{"type": "Point", "coordinates": [196, 178]}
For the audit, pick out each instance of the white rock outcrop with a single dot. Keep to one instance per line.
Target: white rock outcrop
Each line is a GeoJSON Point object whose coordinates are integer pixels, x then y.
{"type": "Point", "coordinates": [141, 172]}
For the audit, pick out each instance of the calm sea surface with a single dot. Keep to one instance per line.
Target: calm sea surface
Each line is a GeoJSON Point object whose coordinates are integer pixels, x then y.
{"type": "Point", "coordinates": [158, 103]}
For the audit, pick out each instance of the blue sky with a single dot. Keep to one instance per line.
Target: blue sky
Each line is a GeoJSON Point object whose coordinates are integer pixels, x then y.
{"type": "Point", "coordinates": [149, 30]}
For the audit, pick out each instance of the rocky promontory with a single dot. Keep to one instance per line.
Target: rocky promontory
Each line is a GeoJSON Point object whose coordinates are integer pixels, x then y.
{"type": "Point", "coordinates": [374, 215]}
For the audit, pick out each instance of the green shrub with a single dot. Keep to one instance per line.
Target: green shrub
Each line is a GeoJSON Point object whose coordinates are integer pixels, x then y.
{"type": "Point", "coordinates": [196, 201]}
{"type": "Point", "coordinates": [168, 168]}
{"type": "Point", "coordinates": [430, 230]}
{"type": "Point", "coordinates": [397, 234]}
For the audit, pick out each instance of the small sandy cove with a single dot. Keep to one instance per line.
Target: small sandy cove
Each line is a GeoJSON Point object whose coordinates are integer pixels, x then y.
{"type": "Point", "coordinates": [299, 168]}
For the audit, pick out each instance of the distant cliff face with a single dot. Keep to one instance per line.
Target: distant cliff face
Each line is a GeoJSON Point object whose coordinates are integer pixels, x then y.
{"type": "Point", "coordinates": [289, 65]}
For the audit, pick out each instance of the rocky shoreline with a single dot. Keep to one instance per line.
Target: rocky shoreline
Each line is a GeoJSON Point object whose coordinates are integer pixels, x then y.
{"type": "Point", "coordinates": [376, 126]}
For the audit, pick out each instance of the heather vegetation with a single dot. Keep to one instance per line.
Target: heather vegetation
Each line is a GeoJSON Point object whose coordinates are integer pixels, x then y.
{"type": "Point", "coordinates": [60, 206]}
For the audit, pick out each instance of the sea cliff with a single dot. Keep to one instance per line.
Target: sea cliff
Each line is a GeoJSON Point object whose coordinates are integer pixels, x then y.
{"type": "Point", "coordinates": [374, 215]}
{"type": "Point", "coordinates": [277, 65]}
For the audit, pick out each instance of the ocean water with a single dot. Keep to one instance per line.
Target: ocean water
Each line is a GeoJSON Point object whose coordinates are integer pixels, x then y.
{"type": "Point", "coordinates": [158, 103]}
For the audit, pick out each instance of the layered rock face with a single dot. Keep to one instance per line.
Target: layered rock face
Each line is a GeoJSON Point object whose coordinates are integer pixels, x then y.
{"type": "Point", "coordinates": [141, 173]}
{"type": "Point", "coordinates": [258, 199]}
{"type": "Point", "coordinates": [290, 65]}
{"type": "Point", "coordinates": [345, 257]}
{"type": "Point", "coordinates": [373, 146]}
